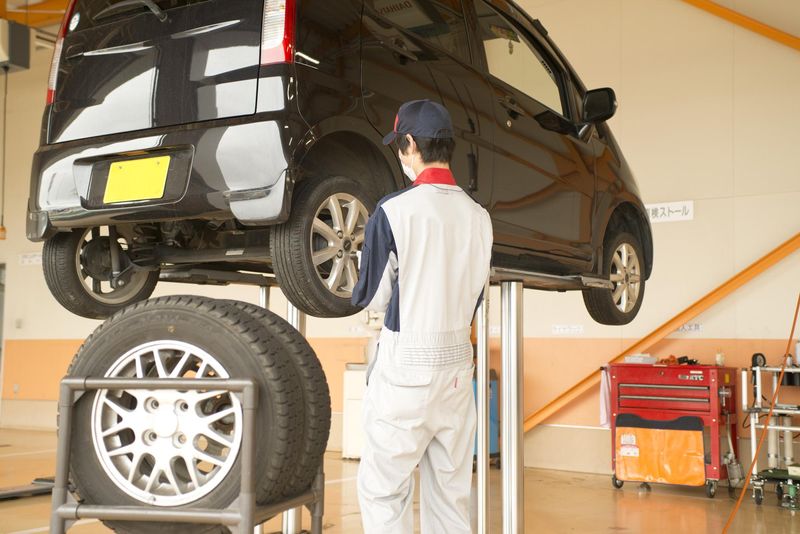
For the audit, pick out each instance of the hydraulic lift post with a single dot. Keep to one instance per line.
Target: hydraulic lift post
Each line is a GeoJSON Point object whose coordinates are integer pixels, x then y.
{"type": "Point", "coordinates": [511, 294]}
{"type": "Point", "coordinates": [511, 423]}
{"type": "Point", "coordinates": [292, 519]}
{"type": "Point", "coordinates": [482, 452]}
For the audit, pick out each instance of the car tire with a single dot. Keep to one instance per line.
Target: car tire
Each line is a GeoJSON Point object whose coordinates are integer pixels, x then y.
{"type": "Point", "coordinates": [189, 336]}
{"type": "Point", "coordinates": [313, 234]}
{"type": "Point", "coordinates": [623, 260]}
{"type": "Point", "coordinates": [63, 262]}
{"type": "Point", "coordinates": [315, 392]}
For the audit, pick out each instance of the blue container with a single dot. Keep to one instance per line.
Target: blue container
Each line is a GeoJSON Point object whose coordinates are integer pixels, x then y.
{"type": "Point", "coordinates": [494, 418]}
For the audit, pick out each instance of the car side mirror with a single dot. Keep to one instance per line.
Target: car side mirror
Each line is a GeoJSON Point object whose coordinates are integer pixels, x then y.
{"type": "Point", "coordinates": [599, 105]}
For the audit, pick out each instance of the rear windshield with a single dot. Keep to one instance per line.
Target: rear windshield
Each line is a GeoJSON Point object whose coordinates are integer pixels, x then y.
{"type": "Point", "coordinates": [85, 14]}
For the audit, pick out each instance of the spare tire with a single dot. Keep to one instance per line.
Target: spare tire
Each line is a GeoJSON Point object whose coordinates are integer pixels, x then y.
{"type": "Point", "coordinates": [173, 448]}
{"type": "Point", "coordinates": [315, 392]}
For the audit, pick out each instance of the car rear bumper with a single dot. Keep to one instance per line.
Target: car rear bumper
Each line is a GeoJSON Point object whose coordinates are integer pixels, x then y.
{"type": "Point", "coordinates": [219, 170]}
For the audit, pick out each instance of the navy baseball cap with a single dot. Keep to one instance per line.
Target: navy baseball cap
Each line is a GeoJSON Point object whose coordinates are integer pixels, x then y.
{"type": "Point", "coordinates": [421, 118]}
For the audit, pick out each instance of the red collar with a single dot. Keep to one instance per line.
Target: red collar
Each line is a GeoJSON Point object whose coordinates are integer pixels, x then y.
{"type": "Point", "coordinates": [433, 175]}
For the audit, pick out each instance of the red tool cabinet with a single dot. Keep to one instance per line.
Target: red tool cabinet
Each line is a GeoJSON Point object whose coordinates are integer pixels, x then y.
{"type": "Point", "coordinates": [667, 423]}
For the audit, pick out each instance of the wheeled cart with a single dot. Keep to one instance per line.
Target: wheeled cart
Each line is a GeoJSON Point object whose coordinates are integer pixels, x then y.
{"type": "Point", "coordinates": [781, 470]}
{"type": "Point", "coordinates": [667, 423]}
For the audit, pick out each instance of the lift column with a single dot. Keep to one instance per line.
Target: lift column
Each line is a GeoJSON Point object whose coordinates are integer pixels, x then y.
{"type": "Point", "coordinates": [482, 394]}
{"type": "Point", "coordinates": [292, 518]}
{"type": "Point", "coordinates": [511, 418]}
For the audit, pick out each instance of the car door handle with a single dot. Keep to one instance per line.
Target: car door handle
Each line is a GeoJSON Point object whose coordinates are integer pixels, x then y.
{"type": "Point", "coordinates": [514, 110]}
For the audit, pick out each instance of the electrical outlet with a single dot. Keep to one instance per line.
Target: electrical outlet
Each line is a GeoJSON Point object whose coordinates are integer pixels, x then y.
{"type": "Point", "coordinates": [494, 330]}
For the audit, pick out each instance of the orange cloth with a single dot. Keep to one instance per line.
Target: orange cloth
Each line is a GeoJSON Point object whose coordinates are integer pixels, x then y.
{"type": "Point", "coordinates": [663, 456]}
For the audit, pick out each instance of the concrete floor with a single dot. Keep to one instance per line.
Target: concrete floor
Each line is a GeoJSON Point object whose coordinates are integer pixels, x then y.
{"type": "Point", "coordinates": [556, 501]}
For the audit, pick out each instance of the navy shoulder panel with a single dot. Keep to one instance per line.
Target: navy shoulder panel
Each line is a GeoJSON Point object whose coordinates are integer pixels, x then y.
{"type": "Point", "coordinates": [390, 196]}
{"type": "Point", "coordinates": [378, 244]}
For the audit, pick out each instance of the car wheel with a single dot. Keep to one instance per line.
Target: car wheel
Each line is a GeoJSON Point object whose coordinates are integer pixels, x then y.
{"type": "Point", "coordinates": [172, 448]}
{"type": "Point", "coordinates": [315, 253]}
{"type": "Point", "coordinates": [315, 393]}
{"type": "Point", "coordinates": [623, 260]}
{"type": "Point", "coordinates": [77, 269]}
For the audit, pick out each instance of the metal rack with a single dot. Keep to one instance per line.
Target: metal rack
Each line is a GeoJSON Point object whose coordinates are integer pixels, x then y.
{"type": "Point", "coordinates": [241, 516]}
{"type": "Point", "coordinates": [786, 487]}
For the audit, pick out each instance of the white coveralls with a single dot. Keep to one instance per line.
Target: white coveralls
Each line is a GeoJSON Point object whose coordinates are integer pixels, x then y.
{"type": "Point", "coordinates": [425, 261]}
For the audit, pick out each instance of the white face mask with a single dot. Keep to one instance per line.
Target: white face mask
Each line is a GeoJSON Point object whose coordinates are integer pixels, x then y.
{"type": "Point", "coordinates": [409, 171]}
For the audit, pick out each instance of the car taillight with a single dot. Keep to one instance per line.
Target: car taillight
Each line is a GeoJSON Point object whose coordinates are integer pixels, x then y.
{"type": "Point", "coordinates": [277, 34]}
{"type": "Point", "coordinates": [51, 84]}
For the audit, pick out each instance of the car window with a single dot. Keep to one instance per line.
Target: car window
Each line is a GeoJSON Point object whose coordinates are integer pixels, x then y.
{"type": "Point", "coordinates": [439, 21]}
{"type": "Point", "coordinates": [511, 58]}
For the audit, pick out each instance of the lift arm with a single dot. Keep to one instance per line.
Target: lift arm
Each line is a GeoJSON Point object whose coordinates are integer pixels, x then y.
{"type": "Point", "coordinates": [751, 272]}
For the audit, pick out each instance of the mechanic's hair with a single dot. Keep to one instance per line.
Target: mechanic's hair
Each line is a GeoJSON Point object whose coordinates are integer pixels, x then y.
{"type": "Point", "coordinates": [433, 150]}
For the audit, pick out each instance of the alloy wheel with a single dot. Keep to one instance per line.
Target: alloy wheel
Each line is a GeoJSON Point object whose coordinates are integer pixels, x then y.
{"type": "Point", "coordinates": [626, 276]}
{"type": "Point", "coordinates": [166, 447]}
{"type": "Point", "coordinates": [337, 236]}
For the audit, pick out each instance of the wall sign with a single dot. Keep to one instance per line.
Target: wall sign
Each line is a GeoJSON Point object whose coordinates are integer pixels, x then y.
{"type": "Point", "coordinates": [671, 211]}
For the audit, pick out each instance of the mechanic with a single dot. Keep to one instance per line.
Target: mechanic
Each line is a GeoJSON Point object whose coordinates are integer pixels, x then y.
{"type": "Point", "coordinates": [425, 262]}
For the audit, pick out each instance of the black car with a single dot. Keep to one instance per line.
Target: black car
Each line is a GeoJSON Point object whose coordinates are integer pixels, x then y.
{"type": "Point", "coordinates": [208, 141]}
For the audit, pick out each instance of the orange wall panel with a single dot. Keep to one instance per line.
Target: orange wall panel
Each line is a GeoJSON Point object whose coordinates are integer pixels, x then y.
{"type": "Point", "coordinates": [551, 365]}
{"type": "Point", "coordinates": [36, 367]}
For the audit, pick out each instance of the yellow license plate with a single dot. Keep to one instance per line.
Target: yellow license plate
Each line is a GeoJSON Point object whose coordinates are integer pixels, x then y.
{"type": "Point", "coordinates": [137, 179]}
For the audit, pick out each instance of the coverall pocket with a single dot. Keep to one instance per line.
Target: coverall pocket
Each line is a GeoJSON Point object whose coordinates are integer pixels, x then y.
{"type": "Point", "coordinates": [407, 377]}
{"type": "Point", "coordinates": [402, 396]}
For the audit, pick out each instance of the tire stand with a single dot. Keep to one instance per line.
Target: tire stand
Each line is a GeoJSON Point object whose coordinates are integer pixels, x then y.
{"type": "Point", "coordinates": [242, 516]}
{"type": "Point", "coordinates": [511, 286]}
